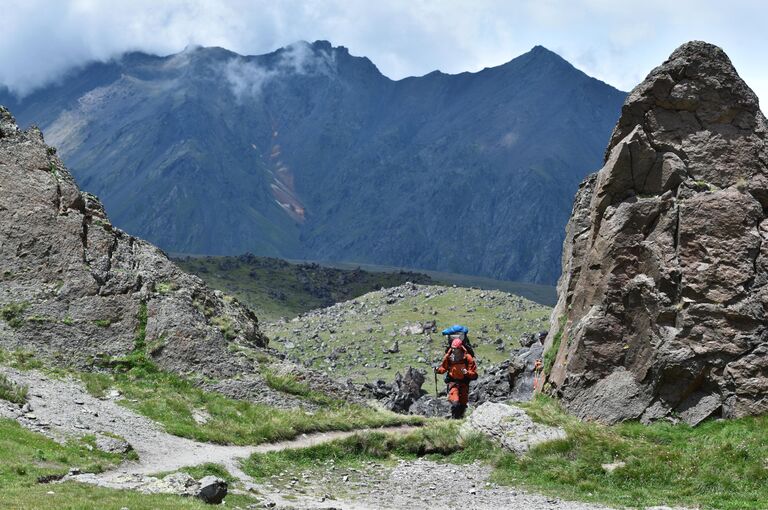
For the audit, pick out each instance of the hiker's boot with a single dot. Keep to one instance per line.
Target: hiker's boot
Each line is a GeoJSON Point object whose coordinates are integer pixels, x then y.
{"type": "Point", "coordinates": [462, 408]}
{"type": "Point", "coordinates": [456, 410]}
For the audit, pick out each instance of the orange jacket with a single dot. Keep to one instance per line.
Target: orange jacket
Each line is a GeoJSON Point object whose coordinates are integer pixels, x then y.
{"type": "Point", "coordinates": [456, 370]}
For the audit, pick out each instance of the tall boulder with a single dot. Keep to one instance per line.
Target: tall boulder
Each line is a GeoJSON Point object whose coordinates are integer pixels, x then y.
{"type": "Point", "coordinates": [663, 295]}
{"type": "Point", "coordinates": [77, 291]}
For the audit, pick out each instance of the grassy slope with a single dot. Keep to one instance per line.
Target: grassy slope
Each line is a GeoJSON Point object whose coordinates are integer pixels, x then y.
{"type": "Point", "coordinates": [169, 400]}
{"type": "Point", "coordinates": [275, 288]}
{"type": "Point", "coordinates": [26, 456]}
{"type": "Point", "coordinates": [490, 315]}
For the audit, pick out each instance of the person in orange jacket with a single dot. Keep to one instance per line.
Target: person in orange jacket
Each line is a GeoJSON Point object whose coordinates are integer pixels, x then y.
{"type": "Point", "coordinates": [461, 369]}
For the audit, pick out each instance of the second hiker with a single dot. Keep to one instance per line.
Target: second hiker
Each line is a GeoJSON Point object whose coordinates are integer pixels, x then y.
{"type": "Point", "coordinates": [460, 368]}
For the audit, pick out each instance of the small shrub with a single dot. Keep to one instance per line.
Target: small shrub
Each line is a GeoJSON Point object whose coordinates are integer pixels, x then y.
{"type": "Point", "coordinates": [225, 326]}
{"type": "Point", "coordinates": [11, 391]}
{"type": "Point", "coordinates": [12, 313]}
{"type": "Point", "coordinates": [103, 323]}
{"type": "Point", "coordinates": [166, 287]}
{"type": "Point", "coordinates": [24, 360]}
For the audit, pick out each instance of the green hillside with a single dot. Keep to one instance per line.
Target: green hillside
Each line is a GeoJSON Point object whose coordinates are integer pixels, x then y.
{"type": "Point", "coordinates": [275, 288]}
{"type": "Point", "coordinates": [350, 339]}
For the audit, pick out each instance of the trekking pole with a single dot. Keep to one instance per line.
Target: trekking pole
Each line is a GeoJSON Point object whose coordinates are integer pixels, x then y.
{"type": "Point", "coordinates": [435, 372]}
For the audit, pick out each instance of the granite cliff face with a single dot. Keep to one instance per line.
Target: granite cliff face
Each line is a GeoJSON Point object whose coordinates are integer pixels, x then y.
{"type": "Point", "coordinates": [78, 291]}
{"type": "Point", "coordinates": [663, 295]}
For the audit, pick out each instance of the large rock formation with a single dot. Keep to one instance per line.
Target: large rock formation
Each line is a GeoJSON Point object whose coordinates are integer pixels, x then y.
{"type": "Point", "coordinates": [662, 300]}
{"type": "Point", "coordinates": [75, 290]}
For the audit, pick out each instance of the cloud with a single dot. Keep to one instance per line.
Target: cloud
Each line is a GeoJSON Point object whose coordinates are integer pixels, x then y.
{"type": "Point", "coordinates": [247, 78]}
{"type": "Point", "coordinates": [618, 42]}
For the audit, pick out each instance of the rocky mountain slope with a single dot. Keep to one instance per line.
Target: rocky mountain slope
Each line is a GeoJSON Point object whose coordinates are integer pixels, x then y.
{"type": "Point", "coordinates": [78, 291]}
{"type": "Point", "coordinates": [662, 301]}
{"type": "Point", "coordinates": [311, 153]}
{"type": "Point", "coordinates": [383, 332]}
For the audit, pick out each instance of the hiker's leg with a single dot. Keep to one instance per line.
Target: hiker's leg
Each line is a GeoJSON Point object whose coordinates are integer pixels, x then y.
{"type": "Point", "coordinates": [454, 394]}
{"type": "Point", "coordinates": [463, 398]}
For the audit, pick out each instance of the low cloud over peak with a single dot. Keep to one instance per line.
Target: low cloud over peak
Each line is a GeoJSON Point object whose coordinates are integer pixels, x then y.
{"type": "Point", "coordinates": [42, 39]}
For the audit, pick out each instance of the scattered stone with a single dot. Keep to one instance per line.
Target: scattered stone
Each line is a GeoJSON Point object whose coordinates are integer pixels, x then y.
{"type": "Point", "coordinates": [112, 444]}
{"type": "Point", "coordinates": [610, 468]}
{"type": "Point", "coordinates": [212, 490]}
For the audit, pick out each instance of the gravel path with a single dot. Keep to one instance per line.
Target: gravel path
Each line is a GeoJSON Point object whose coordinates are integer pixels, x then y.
{"type": "Point", "coordinates": [419, 484]}
{"type": "Point", "coordinates": [61, 408]}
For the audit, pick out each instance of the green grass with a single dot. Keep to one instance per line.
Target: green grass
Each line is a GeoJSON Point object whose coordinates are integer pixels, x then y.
{"type": "Point", "coordinates": [20, 359]}
{"type": "Point", "coordinates": [719, 464]}
{"type": "Point", "coordinates": [13, 314]}
{"type": "Point", "coordinates": [25, 456]}
{"type": "Point", "coordinates": [439, 439]}
{"type": "Point", "coordinates": [11, 391]}
{"type": "Point", "coordinates": [96, 383]}
{"type": "Point", "coordinates": [274, 288]}
{"type": "Point", "coordinates": [292, 386]}
{"type": "Point", "coordinates": [171, 400]}
{"type": "Point", "coordinates": [361, 335]}
{"type": "Point", "coordinates": [551, 355]}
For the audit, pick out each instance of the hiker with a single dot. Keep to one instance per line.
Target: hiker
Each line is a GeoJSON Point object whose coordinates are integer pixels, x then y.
{"type": "Point", "coordinates": [460, 332]}
{"type": "Point", "coordinates": [459, 368]}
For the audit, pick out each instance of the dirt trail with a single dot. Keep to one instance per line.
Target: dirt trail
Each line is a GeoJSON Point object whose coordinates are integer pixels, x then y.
{"type": "Point", "coordinates": [61, 408]}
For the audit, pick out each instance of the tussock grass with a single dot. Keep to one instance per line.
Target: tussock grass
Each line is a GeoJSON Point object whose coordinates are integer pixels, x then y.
{"type": "Point", "coordinates": [13, 314]}
{"type": "Point", "coordinates": [97, 384]}
{"type": "Point", "coordinates": [11, 391]}
{"type": "Point", "coordinates": [23, 360]}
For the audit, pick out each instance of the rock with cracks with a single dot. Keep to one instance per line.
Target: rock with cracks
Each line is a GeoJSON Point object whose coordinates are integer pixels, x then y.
{"type": "Point", "coordinates": [510, 427]}
{"type": "Point", "coordinates": [663, 295]}
{"type": "Point", "coordinates": [77, 291]}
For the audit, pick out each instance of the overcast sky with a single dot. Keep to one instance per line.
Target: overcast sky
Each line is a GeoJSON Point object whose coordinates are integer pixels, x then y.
{"type": "Point", "coordinates": [616, 41]}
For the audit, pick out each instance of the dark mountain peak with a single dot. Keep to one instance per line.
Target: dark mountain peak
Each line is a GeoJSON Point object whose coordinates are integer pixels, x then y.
{"type": "Point", "coordinates": [540, 51]}
{"type": "Point", "coordinates": [321, 45]}
{"type": "Point", "coordinates": [541, 55]}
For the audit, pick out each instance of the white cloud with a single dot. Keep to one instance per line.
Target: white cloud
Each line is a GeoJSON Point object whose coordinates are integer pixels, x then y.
{"type": "Point", "coordinates": [616, 41]}
{"type": "Point", "coordinates": [247, 78]}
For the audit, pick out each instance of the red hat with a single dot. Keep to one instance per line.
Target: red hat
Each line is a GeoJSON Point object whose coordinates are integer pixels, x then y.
{"type": "Point", "coordinates": [457, 343]}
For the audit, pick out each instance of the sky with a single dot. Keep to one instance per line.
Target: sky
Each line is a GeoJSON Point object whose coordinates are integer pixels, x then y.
{"type": "Point", "coordinates": [616, 41]}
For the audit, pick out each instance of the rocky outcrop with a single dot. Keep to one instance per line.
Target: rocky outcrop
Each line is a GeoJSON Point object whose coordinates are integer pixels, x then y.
{"type": "Point", "coordinates": [512, 379]}
{"type": "Point", "coordinates": [662, 300]}
{"type": "Point", "coordinates": [510, 427]}
{"type": "Point", "coordinates": [78, 291]}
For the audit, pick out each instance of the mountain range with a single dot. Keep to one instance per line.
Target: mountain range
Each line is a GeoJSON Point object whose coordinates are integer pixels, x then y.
{"type": "Point", "coordinates": [311, 153]}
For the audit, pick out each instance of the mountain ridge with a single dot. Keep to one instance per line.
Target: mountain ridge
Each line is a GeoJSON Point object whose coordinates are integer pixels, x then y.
{"type": "Point", "coordinates": [310, 152]}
